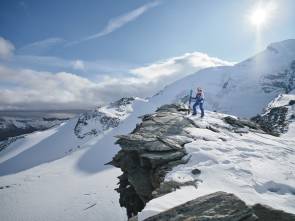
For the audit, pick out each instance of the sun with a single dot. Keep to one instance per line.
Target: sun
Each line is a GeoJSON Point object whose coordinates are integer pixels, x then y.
{"type": "Point", "coordinates": [258, 17]}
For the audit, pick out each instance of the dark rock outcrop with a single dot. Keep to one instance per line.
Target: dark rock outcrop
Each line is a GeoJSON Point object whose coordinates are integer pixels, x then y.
{"type": "Point", "coordinates": [275, 120]}
{"type": "Point", "coordinates": [219, 206]}
{"type": "Point", "coordinates": [148, 153]}
{"type": "Point", "coordinates": [266, 213]}
{"type": "Point", "coordinates": [242, 126]}
{"type": "Point", "coordinates": [241, 123]}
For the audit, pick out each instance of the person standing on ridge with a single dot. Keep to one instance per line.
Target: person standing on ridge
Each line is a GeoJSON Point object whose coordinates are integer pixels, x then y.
{"type": "Point", "coordinates": [199, 101]}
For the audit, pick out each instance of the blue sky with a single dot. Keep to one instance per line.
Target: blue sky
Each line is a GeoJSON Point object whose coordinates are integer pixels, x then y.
{"type": "Point", "coordinates": [171, 28]}
{"type": "Point", "coordinates": [97, 39]}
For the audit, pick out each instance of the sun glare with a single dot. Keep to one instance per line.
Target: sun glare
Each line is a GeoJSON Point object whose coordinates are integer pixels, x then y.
{"type": "Point", "coordinates": [258, 17]}
{"type": "Point", "coordinates": [262, 14]}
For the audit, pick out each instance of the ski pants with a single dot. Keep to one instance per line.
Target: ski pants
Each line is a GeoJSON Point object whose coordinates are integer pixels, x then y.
{"type": "Point", "coordinates": [200, 104]}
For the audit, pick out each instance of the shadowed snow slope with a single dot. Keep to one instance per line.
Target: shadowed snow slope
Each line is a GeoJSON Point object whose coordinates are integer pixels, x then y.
{"type": "Point", "coordinates": [55, 143]}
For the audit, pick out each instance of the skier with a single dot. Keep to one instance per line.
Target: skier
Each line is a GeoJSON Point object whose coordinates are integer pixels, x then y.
{"type": "Point", "coordinates": [199, 101]}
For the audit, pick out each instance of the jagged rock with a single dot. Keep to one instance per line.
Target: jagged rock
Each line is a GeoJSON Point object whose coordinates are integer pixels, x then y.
{"type": "Point", "coordinates": [170, 186]}
{"type": "Point", "coordinates": [266, 213]}
{"type": "Point", "coordinates": [274, 122]}
{"type": "Point", "coordinates": [155, 160]}
{"type": "Point", "coordinates": [219, 206]}
{"type": "Point", "coordinates": [196, 171]}
{"type": "Point", "coordinates": [95, 122]}
{"type": "Point", "coordinates": [241, 123]}
{"type": "Point", "coordinates": [148, 153]}
{"type": "Point", "coordinates": [277, 115]}
{"type": "Point", "coordinates": [213, 129]}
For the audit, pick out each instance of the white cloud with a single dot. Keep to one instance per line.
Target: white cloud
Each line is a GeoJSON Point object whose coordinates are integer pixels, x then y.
{"type": "Point", "coordinates": [6, 48]}
{"type": "Point", "coordinates": [29, 89]}
{"type": "Point", "coordinates": [78, 65]}
{"type": "Point", "coordinates": [178, 66]}
{"type": "Point", "coordinates": [41, 46]}
{"type": "Point", "coordinates": [119, 22]}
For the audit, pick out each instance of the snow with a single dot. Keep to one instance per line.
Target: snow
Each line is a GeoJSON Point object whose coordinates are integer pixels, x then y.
{"type": "Point", "coordinates": [54, 175]}
{"type": "Point", "coordinates": [236, 90]}
{"type": "Point", "coordinates": [168, 201]}
{"type": "Point", "coordinates": [103, 119]}
{"type": "Point", "coordinates": [58, 191]}
{"type": "Point", "coordinates": [47, 181]}
{"type": "Point", "coordinates": [21, 145]}
{"type": "Point", "coordinates": [281, 100]}
{"type": "Point", "coordinates": [258, 168]}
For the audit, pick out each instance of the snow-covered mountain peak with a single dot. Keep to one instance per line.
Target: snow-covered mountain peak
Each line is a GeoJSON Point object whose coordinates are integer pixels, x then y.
{"type": "Point", "coordinates": [286, 46]}
{"type": "Point", "coordinates": [103, 118]}
{"type": "Point", "coordinates": [243, 89]}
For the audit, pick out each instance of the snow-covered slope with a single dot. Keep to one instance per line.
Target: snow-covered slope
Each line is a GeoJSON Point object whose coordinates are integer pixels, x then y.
{"type": "Point", "coordinates": [243, 89]}
{"type": "Point", "coordinates": [41, 147]}
{"type": "Point", "coordinates": [237, 90]}
{"type": "Point", "coordinates": [60, 182]}
{"type": "Point", "coordinates": [257, 167]}
{"type": "Point", "coordinates": [59, 191]}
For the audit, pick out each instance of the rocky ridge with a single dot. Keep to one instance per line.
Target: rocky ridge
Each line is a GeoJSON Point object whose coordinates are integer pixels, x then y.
{"type": "Point", "coordinates": [277, 115]}
{"type": "Point", "coordinates": [12, 127]}
{"type": "Point", "coordinates": [156, 146]}
{"type": "Point", "coordinates": [152, 149]}
{"type": "Point", "coordinates": [95, 122]}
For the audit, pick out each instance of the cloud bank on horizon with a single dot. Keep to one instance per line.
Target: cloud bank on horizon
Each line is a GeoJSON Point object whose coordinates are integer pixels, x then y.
{"type": "Point", "coordinates": [30, 89]}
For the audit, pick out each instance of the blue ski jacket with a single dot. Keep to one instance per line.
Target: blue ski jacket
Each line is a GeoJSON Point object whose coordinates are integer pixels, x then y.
{"type": "Point", "coordinates": [199, 98]}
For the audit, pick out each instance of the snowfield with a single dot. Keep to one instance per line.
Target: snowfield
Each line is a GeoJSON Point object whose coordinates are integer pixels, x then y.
{"type": "Point", "coordinates": [258, 168]}
{"type": "Point", "coordinates": [61, 179]}
{"type": "Point", "coordinates": [58, 191]}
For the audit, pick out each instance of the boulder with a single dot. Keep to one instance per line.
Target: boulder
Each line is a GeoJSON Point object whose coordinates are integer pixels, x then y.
{"type": "Point", "coordinates": [266, 213]}
{"type": "Point", "coordinates": [219, 206]}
